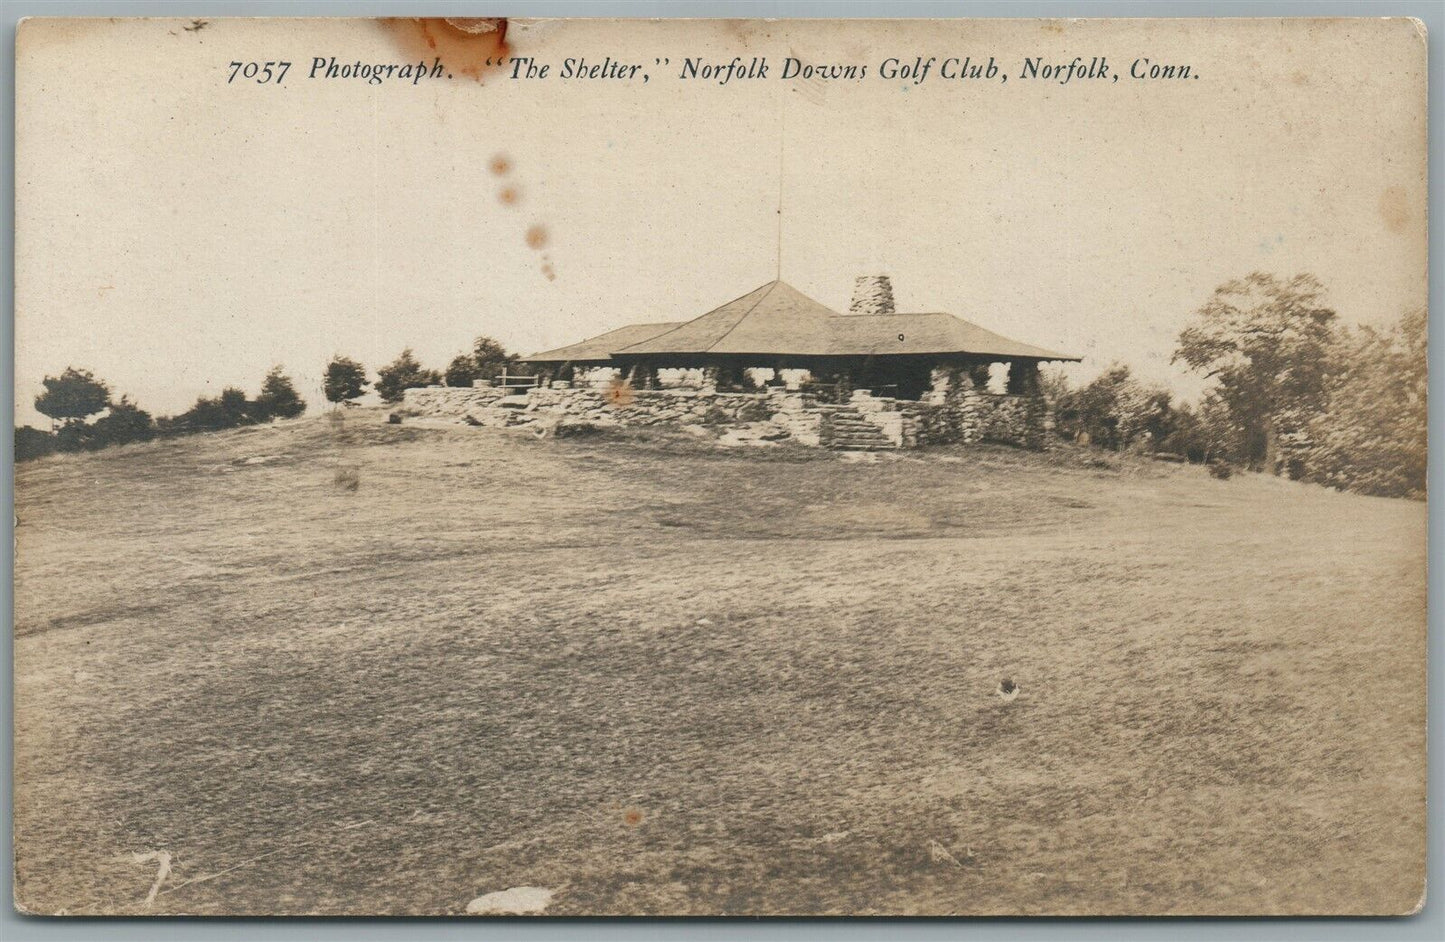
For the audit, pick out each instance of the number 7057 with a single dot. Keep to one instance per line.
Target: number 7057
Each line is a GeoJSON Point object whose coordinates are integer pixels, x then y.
{"type": "Point", "coordinates": [262, 72]}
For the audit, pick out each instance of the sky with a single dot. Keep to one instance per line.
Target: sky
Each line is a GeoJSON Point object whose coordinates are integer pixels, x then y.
{"type": "Point", "coordinates": [178, 233]}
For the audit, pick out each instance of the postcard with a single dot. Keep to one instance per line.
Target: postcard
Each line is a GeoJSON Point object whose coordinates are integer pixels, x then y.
{"type": "Point", "coordinates": [479, 467]}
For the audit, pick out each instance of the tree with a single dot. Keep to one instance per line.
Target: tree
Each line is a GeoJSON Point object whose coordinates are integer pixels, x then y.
{"type": "Point", "coordinates": [1266, 344]}
{"type": "Point", "coordinates": [487, 360]}
{"type": "Point", "coordinates": [1372, 436]}
{"type": "Point", "coordinates": [227, 410]}
{"type": "Point", "coordinates": [278, 398]}
{"type": "Point", "coordinates": [1093, 409]}
{"type": "Point", "coordinates": [404, 373]}
{"type": "Point", "coordinates": [72, 396]}
{"type": "Point", "coordinates": [461, 371]}
{"type": "Point", "coordinates": [345, 379]}
{"type": "Point", "coordinates": [235, 406]}
{"type": "Point", "coordinates": [491, 358]}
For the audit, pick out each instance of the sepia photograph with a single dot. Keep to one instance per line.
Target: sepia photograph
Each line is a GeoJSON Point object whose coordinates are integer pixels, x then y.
{"type": "Point", "coordinates": [595, 467]}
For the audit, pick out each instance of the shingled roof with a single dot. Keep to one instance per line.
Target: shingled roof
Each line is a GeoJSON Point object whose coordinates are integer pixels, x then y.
{"type": "Point", "coordinates": [775, 318]}
{"type": "Point", "coordinates": [927, 333]}
{"type": "Point", "coordinates": [779, 320]}
{"type": "Point", "coordinates": [599, 349]}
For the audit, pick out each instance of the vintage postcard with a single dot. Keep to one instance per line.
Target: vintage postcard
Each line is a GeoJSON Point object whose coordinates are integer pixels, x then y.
{"type": "Point", "coordinates": [709, 467]}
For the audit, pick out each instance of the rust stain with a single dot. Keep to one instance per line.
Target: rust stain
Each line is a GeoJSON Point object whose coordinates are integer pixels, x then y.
{"type": "Point", "coordinates": [500, 165]}
{"type": "Point", "coordinates": [470, 46]}
{"type": "Point", "coordinates": [1395, 208]}
{"type": "Point", "coordinates": [509, 196]}
{"type": "Point", "coordinates": [537, 236]}
{"type": "Point", "coordinates": [633, 817]}
{"type": "Point", "coordinates": [619, 393]}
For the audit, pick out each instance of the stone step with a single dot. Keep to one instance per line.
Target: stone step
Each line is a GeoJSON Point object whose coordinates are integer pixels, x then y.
{"type": "Point", "coordinates": [849, 431]}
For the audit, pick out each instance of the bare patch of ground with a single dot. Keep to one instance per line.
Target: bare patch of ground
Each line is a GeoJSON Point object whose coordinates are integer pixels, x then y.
{"type": "Point", "coordinates": [654, 676]}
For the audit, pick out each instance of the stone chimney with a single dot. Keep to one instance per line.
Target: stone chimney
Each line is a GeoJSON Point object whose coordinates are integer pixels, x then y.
{"type": "Point", "coordinates": [872, 294]}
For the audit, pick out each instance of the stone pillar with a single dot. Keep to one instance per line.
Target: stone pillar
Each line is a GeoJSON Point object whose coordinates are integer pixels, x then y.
{"type": "Point", "coordinates": [942, 380]}
{"type": "Point", "coordinates": [965, 408]}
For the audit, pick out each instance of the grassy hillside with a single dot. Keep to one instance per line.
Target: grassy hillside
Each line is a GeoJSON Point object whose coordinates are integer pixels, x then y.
{"type": "Point", "coordinates": [660, 677]}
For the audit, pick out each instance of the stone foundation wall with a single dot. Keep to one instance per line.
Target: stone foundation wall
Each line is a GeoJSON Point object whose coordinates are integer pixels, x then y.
{"type": "Point", "coordinates": [956, 412]}
{"type": "Point", "coordinates": [605, 406]}
{"type": "Point", "coordinates": [448, 401]}
{"type": "Point", "coordinates": [1024, 420]}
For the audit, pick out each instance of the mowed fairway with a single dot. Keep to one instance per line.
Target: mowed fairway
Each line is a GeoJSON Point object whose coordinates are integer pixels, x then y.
{"type": "Point", "coordinates": [661, 677]}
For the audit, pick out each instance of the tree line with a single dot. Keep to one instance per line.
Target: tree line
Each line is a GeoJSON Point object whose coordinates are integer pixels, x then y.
{"type": "Point", "coordinates": [1290, 392]}
{"type": "Point", "coordinates": [345, 379]}
{"type": "Point", "coordinates": [71, 399]}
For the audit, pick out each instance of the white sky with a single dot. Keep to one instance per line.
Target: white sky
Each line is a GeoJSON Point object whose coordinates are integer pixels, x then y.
{"type": "Point", "coordinates": [177, 234]}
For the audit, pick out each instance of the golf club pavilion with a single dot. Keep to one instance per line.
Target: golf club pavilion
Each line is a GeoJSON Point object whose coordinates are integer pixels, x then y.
{"type": "Point", "coordinates": [775, 330]}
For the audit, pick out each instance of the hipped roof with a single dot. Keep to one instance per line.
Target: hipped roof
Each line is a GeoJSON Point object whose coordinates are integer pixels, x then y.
{"type": "Point", "coordinates": [778, 319]}
{"type": "Point", "coordinates": [599, 349]}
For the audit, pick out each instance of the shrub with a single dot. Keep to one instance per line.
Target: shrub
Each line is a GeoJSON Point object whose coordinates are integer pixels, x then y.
{"type": "Point", "coordinates": [348, 479]}
{"type": "Point", "coordinates": [227, 410]}
{"type": "Point", "coordinates": [32, 443]}
{"type": "Point", "coordinates": [124, 423]}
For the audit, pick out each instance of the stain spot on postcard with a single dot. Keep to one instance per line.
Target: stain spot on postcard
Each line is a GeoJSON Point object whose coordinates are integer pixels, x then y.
{"type": "Point", "coordinates": [470, 46]}
{"type": "Point", "coordinates": [537, 237]}
{"type": "Point", "coordinates": [508, 196]}
{"type": "Point", "coordinates": [619, 393]}
{"type": "Point", "coordinates": [1395, 208]}
{"type": "Point", "coordinates": [500, 165]}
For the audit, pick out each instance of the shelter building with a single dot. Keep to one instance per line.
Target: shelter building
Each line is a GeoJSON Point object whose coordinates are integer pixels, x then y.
{"type": "Point", "coordinates": [776, 327]}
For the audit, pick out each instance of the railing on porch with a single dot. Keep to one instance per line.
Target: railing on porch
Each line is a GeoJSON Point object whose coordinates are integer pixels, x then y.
{"type": "Point", "coordinates": [514, 381]}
